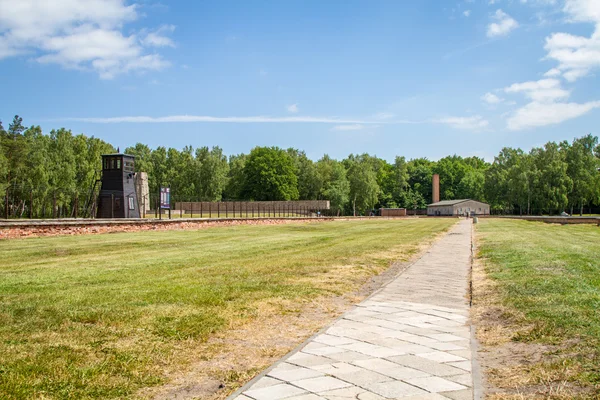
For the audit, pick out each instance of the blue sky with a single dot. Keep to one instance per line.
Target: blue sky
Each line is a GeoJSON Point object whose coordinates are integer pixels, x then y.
{"type": "Point", "coordinates": [413, 78]}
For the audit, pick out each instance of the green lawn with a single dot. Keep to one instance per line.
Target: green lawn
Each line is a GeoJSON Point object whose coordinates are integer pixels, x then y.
{"type": "Point", "coordinates": [101, 316]}
{"type": "Point", "coordinates": [549, 275]}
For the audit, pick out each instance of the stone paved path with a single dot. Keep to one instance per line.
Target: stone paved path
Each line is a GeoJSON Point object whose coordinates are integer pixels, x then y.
{"type": "Point", "coordinates": [411, 340]}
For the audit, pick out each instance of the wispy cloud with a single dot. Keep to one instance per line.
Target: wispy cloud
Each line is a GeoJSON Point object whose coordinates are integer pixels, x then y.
{"type": "Point", "coordinates": [293, 108]}
{"type": "Point", "coordinates": [353, 127]}
{"type": "Point", "coordinates": [473, 123]}
{"type": "Point", "coordinates": [491, 98]}
{"type": "Point", "coordinates": [544, 90]}
{"type": "Point", "coordinates": [537, 114]}
{"type": "Point", "coordinates": [341, 124]}
{"type": "Point", "coordinates": [239, 120]}
{"type": "Point", "coordinates": [158, 37]}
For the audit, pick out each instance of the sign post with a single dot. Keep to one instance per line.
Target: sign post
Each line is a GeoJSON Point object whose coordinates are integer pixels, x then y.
{"type": "Point", "coordinates": [165, 200]}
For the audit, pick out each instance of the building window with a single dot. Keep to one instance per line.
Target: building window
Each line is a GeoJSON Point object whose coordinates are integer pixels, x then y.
{"type": "Point", "coordinates": [118, 163]}
{"type": "Point", "coordinates": [131, 203]}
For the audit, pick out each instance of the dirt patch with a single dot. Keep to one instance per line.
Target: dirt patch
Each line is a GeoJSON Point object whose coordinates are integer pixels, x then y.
{"type": "Point", "coordinates": [233, 357]}
{"type": "Point", "coordinates": [514, 369]}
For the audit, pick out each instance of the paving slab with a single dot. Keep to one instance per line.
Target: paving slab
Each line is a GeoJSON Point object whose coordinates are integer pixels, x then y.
{"type": "Point", "coordinates": [410, 340]}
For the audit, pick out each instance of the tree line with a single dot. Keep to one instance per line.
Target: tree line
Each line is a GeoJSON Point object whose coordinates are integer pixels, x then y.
{"type": "Point", "coordinates": [60, 166]}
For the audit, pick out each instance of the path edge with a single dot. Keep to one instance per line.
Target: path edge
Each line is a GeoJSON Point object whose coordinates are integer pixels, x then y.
{"type": "Point", "coordinates": [475, 366]}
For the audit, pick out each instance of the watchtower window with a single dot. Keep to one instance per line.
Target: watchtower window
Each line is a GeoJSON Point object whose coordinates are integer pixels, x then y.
{"type": "Point", "coordinates": [128, 166]}
{"type": "Point", "coordinates": [118, 163]}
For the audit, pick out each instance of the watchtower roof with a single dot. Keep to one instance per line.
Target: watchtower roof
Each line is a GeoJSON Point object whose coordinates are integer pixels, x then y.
{"type": "Point", "coordinates": [118, 154]}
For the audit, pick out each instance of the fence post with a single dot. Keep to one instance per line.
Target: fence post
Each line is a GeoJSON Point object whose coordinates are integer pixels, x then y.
{"type": "Point", "coordinates": [112, 205]}
{"type": "Point", "coordinates": [233, 209]}
{"type": "Point", "coordinates": [76, 205]}
{"type": "Point", "coordinates": [31, 205]}
{"type": "Point", "coordinates": [54, 205]}
{"type": "Point", "coordinates": [6, 204]}
{"type": "Point", "coordinates": [219, 209]}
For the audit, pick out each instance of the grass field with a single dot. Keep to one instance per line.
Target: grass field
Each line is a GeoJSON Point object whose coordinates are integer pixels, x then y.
{"type": "Point", "coordinates": [548, 281]}
{"type": "Point", "coordinates": [101, 316]}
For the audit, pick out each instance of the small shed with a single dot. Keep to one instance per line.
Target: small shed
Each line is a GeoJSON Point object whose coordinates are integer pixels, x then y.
{"type": "Point", "coordinates": [458, 207]}
{"type": "Point", "coordinates": [392, 212]}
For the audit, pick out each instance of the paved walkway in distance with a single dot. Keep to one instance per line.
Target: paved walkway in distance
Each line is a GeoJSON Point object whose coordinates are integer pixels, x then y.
{"type": "Point", "coordinates": [408, 341]}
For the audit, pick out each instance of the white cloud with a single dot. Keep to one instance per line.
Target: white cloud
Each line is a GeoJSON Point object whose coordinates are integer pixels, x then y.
{"type": "Point", "coordinates": [583, 10]}
{"type": "Point", "coordinates": [503, 26]}
{"type": "Point", "coordinates": [85, 35]}
{"type": "Point", "coordinates": [491, 98]}
{"type": "Point", "coordinates": [158, 37]}
{"type": "Point", "coordinates": [467, 13]}
{"type": "Point", "coordinates": [466, 123]}
{"type": "Point", "coordinates": [552, 73]}
{"type": "Point", "coordinates": [293, 108]}
{"type": "Point", "coordinates": [544, 90]}
{"type": "Point", "coordinates": [576, 55]}
{"type": "Point", "coordinates": [353, 127]}
{"type": "Point", "coordinates": [537, 114]}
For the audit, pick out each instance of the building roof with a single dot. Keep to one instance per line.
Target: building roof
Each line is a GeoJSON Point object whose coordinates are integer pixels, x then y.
{"type": "Point", "coordinates": [451, 202]}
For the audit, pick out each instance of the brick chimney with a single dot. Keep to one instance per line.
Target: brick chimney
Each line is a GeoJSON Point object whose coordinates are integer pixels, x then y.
{"type": "Point", "coordinates": [435, 188]}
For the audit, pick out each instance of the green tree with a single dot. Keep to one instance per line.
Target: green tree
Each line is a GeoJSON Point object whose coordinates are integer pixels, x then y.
{"type": "Point", "coordinates": [212, 173]}
{"type": "Point", "coordinates": [234, 186]}
{"type": "Point", "coordinates": [414, 200]}
{"type": "Point", "coordinates": [420, 172]}
{"type": "Point", "coordinates": [62, 168]}
{"type": "Point", "coordinates": [159, 176]}
{"type": "Point", "coordinates": [309, 182]}
{"type": "Point", "coordinates": [583, 171]}
{"type": "Point", "coordinates": [270, 174]}
{"type": "Point", "coordinates": [3, 162]}
{"type": "Point", "coordinates": [400, 185]}
{"type": "Point", "coordinates": [15, 150]}
{"type": "Point", "coordinates": [363, 185]}
{"type": "Point", "coordinates": [509, 181]}
{"type": "Point", "coordinates": [37, 164]}
{"type": "Point", "coordinates": [143, 158]}
{"type": "Point", "coordinates": [553, 184]}
{"type": "Point", "coordinates": [335, 186]}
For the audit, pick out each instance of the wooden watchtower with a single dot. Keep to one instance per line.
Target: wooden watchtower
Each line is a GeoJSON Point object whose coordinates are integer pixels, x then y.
{"type": "Point", "coordinates": [117, 198]}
